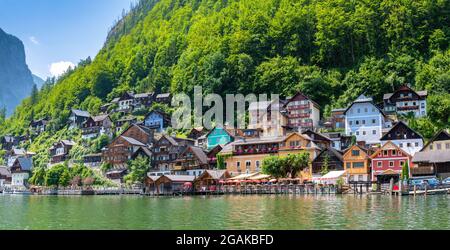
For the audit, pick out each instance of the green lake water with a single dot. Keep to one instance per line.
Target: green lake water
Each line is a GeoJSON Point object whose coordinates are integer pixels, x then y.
{"type": "Point", "coordinates": [224, 212]}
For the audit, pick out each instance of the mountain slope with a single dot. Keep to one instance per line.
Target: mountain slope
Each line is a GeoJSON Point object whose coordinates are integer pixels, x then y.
{"type": "Point", "coordinates": [331, 50]}
{"type": "Point", "coordinates": [15, 78]}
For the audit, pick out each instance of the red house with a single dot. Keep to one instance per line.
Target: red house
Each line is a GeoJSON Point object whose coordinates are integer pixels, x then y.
{"type": "Point", "coordinates": [387, 163]}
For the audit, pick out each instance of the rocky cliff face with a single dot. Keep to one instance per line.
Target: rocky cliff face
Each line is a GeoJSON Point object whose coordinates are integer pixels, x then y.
{"type": "Point", "coordinates": [16, 79]}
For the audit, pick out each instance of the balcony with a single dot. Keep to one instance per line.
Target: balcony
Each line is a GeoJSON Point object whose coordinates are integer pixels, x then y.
{"type": "Point", "coordinates": [406, 108]}
{"type": "Point", "coordinates": [252, 151]}
{"type": "Point", "coordinates": [301, 106]}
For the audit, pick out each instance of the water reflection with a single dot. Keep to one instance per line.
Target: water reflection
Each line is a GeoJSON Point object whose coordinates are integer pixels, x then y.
{"type": "Point", "coordinates": [226, 212]}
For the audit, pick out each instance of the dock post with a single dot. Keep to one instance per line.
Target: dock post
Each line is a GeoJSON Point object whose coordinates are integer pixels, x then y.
{"type": "Point", "coordinates": [426, 190]}
{"type": "Point", "coordinates": [415, 190]}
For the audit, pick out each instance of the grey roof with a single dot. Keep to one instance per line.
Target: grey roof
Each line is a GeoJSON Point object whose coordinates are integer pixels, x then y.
{"type": "Point", "coordinates": [25, 163]}
{"type": "Point", "coordinates": [68, 142]}
{"type": "Point", "coordinates": [81, 113]}
{"type": "Point", "coordinates": [435, 156]}
{"type": "Point", "coordinates": [387, 96]}
{"type": "Point", "coordinates": [143, 95]}
{"type": "Point", "coordinates": [19, 151]}
{"type": "Point", "coordinates": [163, 95]}
{"type": "Point", "coordinates": [201, 155]}
{"type": "Point", "coordinates": [99, 118]}
{"type": "Point", "coordinates": [133, 141]}
{"type": "Point", "coordinates": [4, 171]}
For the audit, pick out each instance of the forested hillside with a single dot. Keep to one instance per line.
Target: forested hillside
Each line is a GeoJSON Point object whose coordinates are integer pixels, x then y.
{"type": "Point", "coordinates": [332, 50]}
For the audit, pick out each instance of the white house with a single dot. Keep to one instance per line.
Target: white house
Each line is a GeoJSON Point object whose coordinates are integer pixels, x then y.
{"type": "Point", "coordinates": [404, 137]}
{"type": "Point", "coordinates": [405, 100]}
{"type": "Point", "coordinates": [364, 120]}
{"type": "Point", "coordinates": [21, 172]}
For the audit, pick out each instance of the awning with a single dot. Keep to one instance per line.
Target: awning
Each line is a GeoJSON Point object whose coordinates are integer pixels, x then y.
{"type": "Point", "coordinates": [333, 175]}
{"type": "Point", "coordinates": [259, 177]}
{"type": "Point", "coordinates": [243, 176]}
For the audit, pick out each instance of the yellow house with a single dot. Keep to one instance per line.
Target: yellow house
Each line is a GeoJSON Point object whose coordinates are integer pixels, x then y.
{"type": "Point", "coordinates": [246, 156]}
{"type": "Point", "coordinates": [357, 163]}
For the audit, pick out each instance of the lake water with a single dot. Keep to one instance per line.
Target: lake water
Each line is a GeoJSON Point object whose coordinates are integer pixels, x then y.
{"type": "Point", "coordinates": [225, 212]}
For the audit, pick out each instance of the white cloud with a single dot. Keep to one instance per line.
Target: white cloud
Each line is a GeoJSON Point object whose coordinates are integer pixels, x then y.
{"type": "Point", "coordinates": [34, 40]}
{"type": "Point", "coordinates": [59, 68]}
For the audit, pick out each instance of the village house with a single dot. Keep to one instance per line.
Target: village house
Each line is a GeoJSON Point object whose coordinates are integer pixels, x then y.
{"type": "Point", "coordinates": [5, 177]}
{"type": "Point", "coordinates": [96, 126]}
{"type": "Point", "coordinates": [8, 142]}
{"type": "Point", "coordinates": [38, 126]}
{"type": "Point", "coordinates": [119, 124]}
{"type": "Point", "coordinates": [125, 103]}
{"type": "Point", "coordinates": [168, 184]}
{"type": "Point", "coordinates": [302, 112]}
{"type": "Point", "coordinates": [434, 158]}
{"type": "Point", "coordinates": [246, 156]}
{"type": "Point", "coordinates": [329, 158]}
{"type": "Point", "coordinates": [157, 120]}
{"type": "Point", "coordinates": [212, 156]}
{"type": "Point", "coordinates": [210, 178]}
{"type": "Point", "coordinates": [221, 136]}
{"type": "Point", "coordinates": [196, 133]}
{"type": "Point", "coordinates": [15, 153]}
{"type": "Point", "coordinates": [357, 163]}
{"type": "Point", "coordinates": [337, 119]}
{"type": "Point", "coordinates": [166, 151]}
{"type": "Point", "coordinates": [405, 100]}
{"type": "Point", "coordinates": [191, 161]}
{"type": "Point", "coordinates": [143, 100]}
{"type": "Point", "coordinates": [92, 160]}
{"type": "Point", "coordinates": [77, 118]}
{"type": "Point", "coordinates": [364, 120]}
{"type": "Point", "coordinates": [268, 118]}
{"type": "Point", "coordinates": [339, 141]}
{"type": "Point", "coordinates": [320, 140]}
{"type": "Point", "coordinates": [404, 137]}
{"type": "Point", "coordinates": [59, 151]}
{"type": "Point", "coordinates": [388, 162]}
{"type": "Point", "coordinates": [21, 172]}
{"type": "Point", "coordinates": [121, 149]}
{"type": "Point", "coordinates": [165, 98]}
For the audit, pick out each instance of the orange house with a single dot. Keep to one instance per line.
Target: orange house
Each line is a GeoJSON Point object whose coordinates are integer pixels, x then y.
{"type": "Point", "coordinates": [357, 163]}
{"type": "Point", "coordinates": [247, 156]}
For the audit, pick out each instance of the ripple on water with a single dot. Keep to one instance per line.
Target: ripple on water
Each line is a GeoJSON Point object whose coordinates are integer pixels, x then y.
{"type": "Point", "coordinates": [225, 212]}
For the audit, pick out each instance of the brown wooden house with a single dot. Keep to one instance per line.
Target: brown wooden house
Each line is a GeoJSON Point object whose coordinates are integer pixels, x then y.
{"type": "Point", "coordinates": [95, 126]}
{"type": "Point", "coordinates": [332, 156]}
{"type": "Point", "coordinates": [59, 152]}
{"type": "Point", "coordinates": [166, 150]}
{"type": "Point", "coordinates": [192, 158]}
{"type": "Point", "coordinates": [122, 148]}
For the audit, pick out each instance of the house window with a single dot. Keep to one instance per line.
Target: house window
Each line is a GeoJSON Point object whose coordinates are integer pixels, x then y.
{"type": "Point", "coordinates": [358, 164]}
{"type": "Point", "coordinates": [357, 132]}
{"type": "Point", "coordinates": [248, 165]}
{"type": "Point", "coordinates": [385, 153]}
{"type": "Point", "coordinates": [351, 122]}
{"type": "Point", "coordinates": [363, 122]}
{"type": "Point", "coordinates": [379, 164]}
{"type": "Point", "coordinates": [364, 132]}
{"type": "Point", "coordinates": [447, 145]}
{"type": "Point", "coordinates": [357, 122]}
{"type": "Point", "coordinates": [402, 163]}
{"type": "Point", "coordinates": [374, 132]}
{"type": "Point", "coordinates": [359, 111]}
{"type": "Point", "coordinates": [238, 166]}
{"type": "Point", "coordinates": [431, 146]}
{"type": "Point", "coordinates": [416, 144]}
{"type": "Point", "coordinates": [366, 110]}
{"type": "Point", "coordinates": [394, 152]}
{"type": "Point", "coordinates": [258, 166]}
{"type": "Point", "coordinates": [438, 146]}
{"type": "Point", "coordinates": [355, 152]}
{"type": "Point", "coordinates": [348, 165]}
{"type": "Point", "coordinates": [399, 153]}
{"type": "Point", "coordinates": [401, 145]}
{"type": "Point", "coordinates": [408, 144]}
{"type": "Point", "coordinates": [391, 164]}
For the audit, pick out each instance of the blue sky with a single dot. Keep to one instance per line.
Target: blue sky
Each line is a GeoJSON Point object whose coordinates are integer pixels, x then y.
{"type": "Point", "coordinates": [57, 33]}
